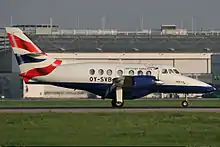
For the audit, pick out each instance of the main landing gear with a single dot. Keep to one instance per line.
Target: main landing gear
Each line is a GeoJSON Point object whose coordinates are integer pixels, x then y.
{"type": "Point", "coordinates": [116, 104]}
{"type": "Point", "coordinates": [185, 103]}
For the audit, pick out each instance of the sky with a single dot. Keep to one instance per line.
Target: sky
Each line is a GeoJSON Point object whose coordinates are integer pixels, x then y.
{"type": "Point", "coordinates": [117, 14]}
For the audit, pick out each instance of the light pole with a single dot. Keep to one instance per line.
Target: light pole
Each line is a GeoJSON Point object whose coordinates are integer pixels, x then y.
{"type": "Point", "coordinates": [172, 50]}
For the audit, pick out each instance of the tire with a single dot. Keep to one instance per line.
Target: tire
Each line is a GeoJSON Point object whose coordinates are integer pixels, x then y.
{"type": "Point", "coordinates": [113, 103]}
{"type": "Point", "coordinates": [185, 104]}
{"type": "Point", "coordinates": [117, 104]}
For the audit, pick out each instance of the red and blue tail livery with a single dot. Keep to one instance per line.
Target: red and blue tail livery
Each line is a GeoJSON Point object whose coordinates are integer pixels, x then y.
{"type": "Point", "coordinates": [32, 61]}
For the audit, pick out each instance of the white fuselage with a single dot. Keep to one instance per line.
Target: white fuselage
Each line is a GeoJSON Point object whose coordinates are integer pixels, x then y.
{"type": "Point", "coordinates": [98, 73]}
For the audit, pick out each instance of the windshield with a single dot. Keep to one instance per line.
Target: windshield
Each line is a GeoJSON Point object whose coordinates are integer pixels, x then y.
{"type": "Point", "coordinates": [170, 71]}
{"type": "Point", "coordinates": [176, 71]}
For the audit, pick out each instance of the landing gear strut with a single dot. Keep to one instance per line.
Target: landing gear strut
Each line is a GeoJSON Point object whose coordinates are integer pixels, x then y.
{"type": "Point", "coordinates": [185, 103]}
{"type": "Point", "coordinates": [118, 102]}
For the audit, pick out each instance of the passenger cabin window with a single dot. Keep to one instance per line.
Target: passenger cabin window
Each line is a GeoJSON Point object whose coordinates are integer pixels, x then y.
{"type": "Point", "coordinates": [140, 72]}
{"type": "Point", "coordinates": [109, 72]}
{"type": "Point", "coordinates": [164, 71]}
{"type": "Point", "coordinates": [171, 71]}
{"type": "Point", "coordinates": [91, 71]}
{"type": "Point", "coordinates": [131, 73]}
{"type": "Point", "coordinates": [176, 71]}
{"type": "Point", "coordinates": [120, 72]}
{"type": "Point", "coordinates": [101, 71]}
{"type": "Point", "coordinates": [148, 73]}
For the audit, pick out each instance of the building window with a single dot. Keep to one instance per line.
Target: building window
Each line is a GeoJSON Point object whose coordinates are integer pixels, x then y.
{"type": "Point", "coordinates": [101, 71]}
{"type": "Point", "coordinates": [131, 73]}
{"type": "Point", "coordinates": [120, 72]}
{"type": "Point", "coordinates": [140, 73]}
{"type": "Point", "coordinates": [109, 72]}
{"type": "Point", "coordinates": [91, 71]}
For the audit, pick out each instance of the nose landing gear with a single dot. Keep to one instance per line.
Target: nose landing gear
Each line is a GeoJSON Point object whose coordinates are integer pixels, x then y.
{"type": "Point", "coordinates": [185, 103]}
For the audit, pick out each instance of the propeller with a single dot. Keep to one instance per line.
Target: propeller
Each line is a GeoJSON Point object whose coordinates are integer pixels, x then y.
{"type": "Point", "coordinates": [120, 83]}
{"type": "Point", "coordinates": [117, 82]}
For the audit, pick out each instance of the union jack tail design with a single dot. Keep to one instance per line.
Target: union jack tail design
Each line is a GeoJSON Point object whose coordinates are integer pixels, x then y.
{"type": "Point", "coordinates": [31, 60]}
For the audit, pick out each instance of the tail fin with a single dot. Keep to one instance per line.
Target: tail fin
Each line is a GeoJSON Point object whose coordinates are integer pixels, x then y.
{"type": "Point", "coordinates": [31, 60]}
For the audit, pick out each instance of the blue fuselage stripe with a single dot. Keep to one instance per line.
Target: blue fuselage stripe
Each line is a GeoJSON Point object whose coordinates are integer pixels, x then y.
{"type": "Point", "coordinates": [100, 89]}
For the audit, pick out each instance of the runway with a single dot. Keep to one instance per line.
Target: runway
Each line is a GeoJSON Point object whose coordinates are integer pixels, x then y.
{"type": "Point", "coordinates": [107, 109]}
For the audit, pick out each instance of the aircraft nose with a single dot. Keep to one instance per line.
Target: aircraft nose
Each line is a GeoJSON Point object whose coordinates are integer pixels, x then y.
{"type": "Point", "coordinates": [206, 87]}
{"type": "Point", "coordinates": [210, 89]}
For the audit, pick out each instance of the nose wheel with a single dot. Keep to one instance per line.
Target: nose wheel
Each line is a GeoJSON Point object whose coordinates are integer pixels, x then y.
{"type": "Point", "coordinates": [185, 103]}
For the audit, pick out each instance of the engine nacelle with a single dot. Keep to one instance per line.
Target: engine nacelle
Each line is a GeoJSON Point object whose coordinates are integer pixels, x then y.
{"type": "Point", "coordinates": [139, 81]}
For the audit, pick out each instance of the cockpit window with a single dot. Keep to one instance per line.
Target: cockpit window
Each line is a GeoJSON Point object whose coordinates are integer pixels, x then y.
{"type": "Point", "coordinates": [164, 71]}
{"type": "Point", "coordinates": [171, 71]}
{"type": "Point", "coordinates": [176, 71]}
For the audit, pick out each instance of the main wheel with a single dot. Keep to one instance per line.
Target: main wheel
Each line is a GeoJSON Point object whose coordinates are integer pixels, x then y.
{"type": "Point", "coordinates": [113, 103]}
{"type": "Point", "coordinates": [117, 104]}
{"type": "Point", "coordinates": [184, 104]}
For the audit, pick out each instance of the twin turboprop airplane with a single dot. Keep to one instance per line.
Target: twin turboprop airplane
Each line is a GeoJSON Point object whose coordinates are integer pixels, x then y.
{"type": "Point", "coordinates": [117, 81]}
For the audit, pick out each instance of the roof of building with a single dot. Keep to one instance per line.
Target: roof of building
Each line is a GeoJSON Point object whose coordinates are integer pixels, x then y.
{"type": "Point", "coordinates": [60, 40]}
{"type": "Point", "coordinates": [126, 44]}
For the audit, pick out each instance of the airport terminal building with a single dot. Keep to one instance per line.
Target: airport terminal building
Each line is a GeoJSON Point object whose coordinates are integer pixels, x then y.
{"type": "Point", "coordinates": [195, 54]}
